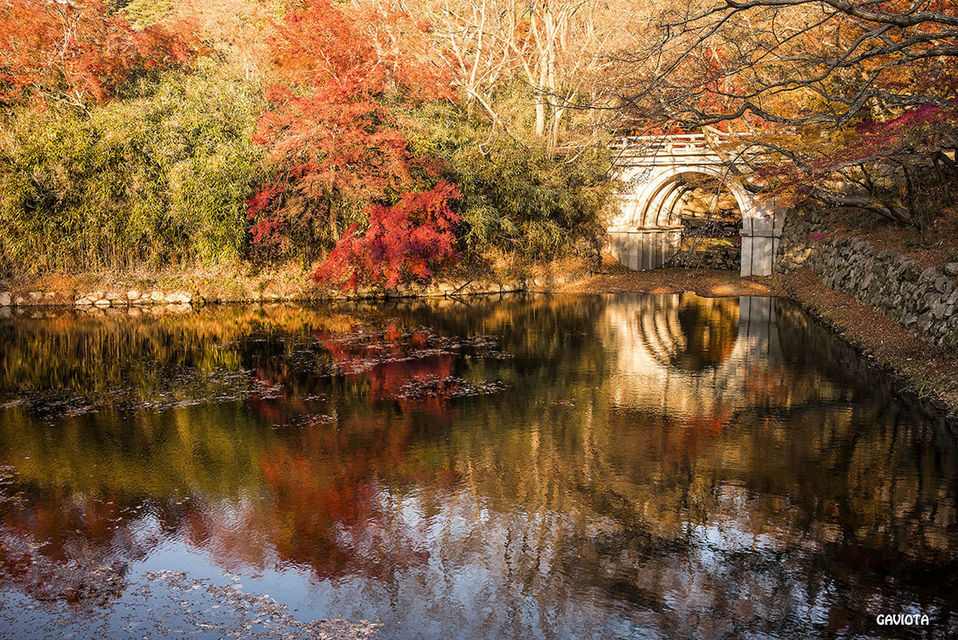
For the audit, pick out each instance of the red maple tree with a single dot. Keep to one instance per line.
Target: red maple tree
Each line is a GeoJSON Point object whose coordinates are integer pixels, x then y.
{"type": "Point", "coordinates": [334, 150]}
{"type": "Point", "coordinates": [330, 148]}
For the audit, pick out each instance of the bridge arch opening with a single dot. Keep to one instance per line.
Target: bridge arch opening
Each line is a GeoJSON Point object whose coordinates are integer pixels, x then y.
{"type": "Point", "coordinates": [711, 221]}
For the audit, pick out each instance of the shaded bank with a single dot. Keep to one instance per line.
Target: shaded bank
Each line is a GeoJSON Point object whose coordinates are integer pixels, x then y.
{"type": "Point", "coordinates": [928, 372]}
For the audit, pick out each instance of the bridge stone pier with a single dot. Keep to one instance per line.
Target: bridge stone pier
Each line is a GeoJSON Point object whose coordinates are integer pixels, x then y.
{"type": "Point", "coordinates": [647, 230]}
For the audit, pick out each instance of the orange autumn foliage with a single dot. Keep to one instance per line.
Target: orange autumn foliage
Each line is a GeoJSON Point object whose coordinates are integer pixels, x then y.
{"type": "Point", "coordinates": [80, 52]}
{"type": "Point", "coordinates": [332, 144]}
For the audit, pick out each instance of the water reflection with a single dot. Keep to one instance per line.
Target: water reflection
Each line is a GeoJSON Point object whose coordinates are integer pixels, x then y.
{"type": "Point", "coordinates": [659, 466]}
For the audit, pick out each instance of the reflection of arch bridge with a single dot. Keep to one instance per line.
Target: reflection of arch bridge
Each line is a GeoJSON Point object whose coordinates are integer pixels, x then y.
{"type": "Point", "coordinates": [647, 230]}
{"type": "Point", "coordinates": [708, 364]}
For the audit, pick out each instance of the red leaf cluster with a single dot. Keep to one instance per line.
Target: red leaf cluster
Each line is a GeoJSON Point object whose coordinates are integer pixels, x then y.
{"type": "Point", "coordinates": [79, 51]}
{"type": "Point", "coordinates": [323, 150]}
{"type": "Point", "coordinates": [917, 130]}
{"type": "Point", "coordinates": [331, 143]}
{"type": "Point", "coordinates": [321, 46]}
{"type": "Point", "coordinates": [405, 242]}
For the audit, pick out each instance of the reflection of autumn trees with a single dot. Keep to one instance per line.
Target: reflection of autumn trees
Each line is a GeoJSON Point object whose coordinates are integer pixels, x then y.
{"type": "Point", "coordinates": [386, 361]}
{"type": "Point", "coordinates": [773, 480]}
{"type": "Point", "coordinates": [324, 510]}
{"type": "Point", "coordinates": [783, 518]}
{"type": "Point", "coordinates": [90, 355]}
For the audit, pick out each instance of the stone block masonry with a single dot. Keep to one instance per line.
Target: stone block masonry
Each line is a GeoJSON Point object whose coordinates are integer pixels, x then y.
{"type": "Point", "coordinates": [183, 300]}
{"type": "Point", "coordinates": [923, 300]}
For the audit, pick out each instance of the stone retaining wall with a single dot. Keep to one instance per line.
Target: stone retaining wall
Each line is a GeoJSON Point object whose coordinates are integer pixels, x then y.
{"type": "Point", "coordinates": [924, 300]}
{"type": "Point", "coordinates": [181, 299]}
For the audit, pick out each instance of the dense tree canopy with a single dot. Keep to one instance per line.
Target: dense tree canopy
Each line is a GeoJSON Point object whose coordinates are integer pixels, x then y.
{"type": "Point", "coordinates": [352, 110]}
{"type": "Point", "coordinates": [332, 144]}
{"type": "Point", "coordinates": [78, 51]}
{"type": "Point", "coordinates": [357, 129]}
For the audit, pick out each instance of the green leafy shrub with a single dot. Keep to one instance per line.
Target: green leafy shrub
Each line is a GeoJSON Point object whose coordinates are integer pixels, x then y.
{"type": "Point", "coordinates": [517, 198]}
{"type": "Point", "coordinates": [162, 178]}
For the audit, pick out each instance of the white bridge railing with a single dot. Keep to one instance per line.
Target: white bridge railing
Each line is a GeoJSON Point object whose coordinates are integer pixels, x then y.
{"type": "Point", "coordinates": [677, 143]}
{"type": "Point", "coordinates": [687, 143]}
{"type": "Point", "coordinates": [686, 149]}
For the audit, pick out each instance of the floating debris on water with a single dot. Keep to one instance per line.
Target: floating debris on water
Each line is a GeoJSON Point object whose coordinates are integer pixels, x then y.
{"type": "Point", "coordinates": [173, 604]}
{"type": "Point", "coordinates": [446, 387]}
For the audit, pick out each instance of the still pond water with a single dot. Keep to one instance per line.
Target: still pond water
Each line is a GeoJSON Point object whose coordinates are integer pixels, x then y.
{"type": "Point", "coordinates": [541, 467]}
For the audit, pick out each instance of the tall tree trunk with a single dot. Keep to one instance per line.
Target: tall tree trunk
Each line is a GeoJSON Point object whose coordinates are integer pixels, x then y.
{"type": "Point", "coordinates": [540, 90]}
{"type": "Point", "coordinates": [540, 113]}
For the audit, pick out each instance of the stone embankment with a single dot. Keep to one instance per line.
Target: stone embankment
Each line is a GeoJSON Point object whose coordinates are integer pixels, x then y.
{"type": "Point", "coordinates": [131, 301]}
{"type": "Point", "coordinates": [105, 299]}
{"type": "Point", "coordinates": [923, 300]}
{"type": "Point", "coordinates": [154, 300]}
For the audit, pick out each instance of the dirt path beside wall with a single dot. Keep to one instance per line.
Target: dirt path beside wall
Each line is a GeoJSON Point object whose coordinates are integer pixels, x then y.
{"type": "Point", "coordinates": [704, 282]}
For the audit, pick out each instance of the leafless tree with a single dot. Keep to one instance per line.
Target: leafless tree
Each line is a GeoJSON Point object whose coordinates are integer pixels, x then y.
{"type": "Point", "coordinates": [553, 48]}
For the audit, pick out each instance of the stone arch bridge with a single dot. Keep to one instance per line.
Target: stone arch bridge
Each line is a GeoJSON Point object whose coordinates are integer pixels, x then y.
{"type": "Point", "coordinates": [647, 230]}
